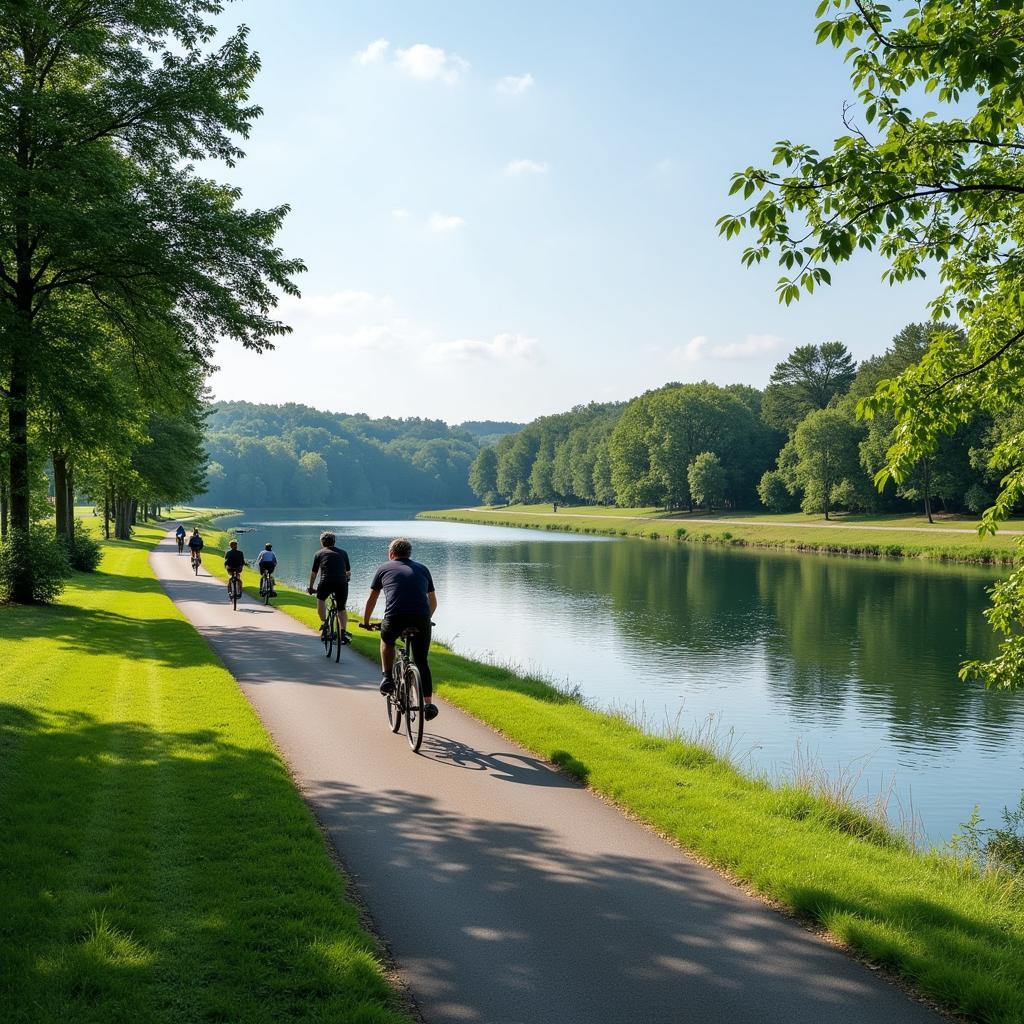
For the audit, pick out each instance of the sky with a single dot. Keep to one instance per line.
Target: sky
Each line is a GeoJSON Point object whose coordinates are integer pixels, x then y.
{"type": "Point", "coordinates": [508, 209]}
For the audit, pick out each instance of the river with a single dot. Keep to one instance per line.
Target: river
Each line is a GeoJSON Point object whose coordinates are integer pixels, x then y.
{"type": "Point", "coordinates": [788, 661]}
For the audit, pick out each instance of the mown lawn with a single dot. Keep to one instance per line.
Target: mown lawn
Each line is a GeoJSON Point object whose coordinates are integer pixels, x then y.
{"type": "Point", "coordinates": [761, 532]}
{"type": "Point", "coordinates": [156, 861]}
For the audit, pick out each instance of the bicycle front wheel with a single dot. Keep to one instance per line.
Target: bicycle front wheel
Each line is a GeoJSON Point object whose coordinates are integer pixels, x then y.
{"type": "Point", "coordinates": [413, 707]}
{"type": "Point", "coordinates": [328, 634]}
{"type": "Point", "coordinates": [396, 700]}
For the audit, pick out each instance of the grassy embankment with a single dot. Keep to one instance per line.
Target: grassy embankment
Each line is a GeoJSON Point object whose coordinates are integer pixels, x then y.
{"type": "Point", "coordinates": [956, 933]}
{"type": "Point", "coordinates": [873, 536]}
{"type": "Point", "coordinates": [156, 861]}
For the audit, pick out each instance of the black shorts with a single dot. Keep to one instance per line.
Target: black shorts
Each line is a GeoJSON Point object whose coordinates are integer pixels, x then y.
{"type": "Point", "coordinates": [391, 628]}
{"type": "Point", "coordinates": [339, 590]}
{"type": "Point", "coordinates": [266, 568]}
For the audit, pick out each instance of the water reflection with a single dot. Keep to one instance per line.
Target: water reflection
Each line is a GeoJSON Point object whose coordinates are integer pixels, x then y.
{"type": "Point", "coordinates": [854, 658]}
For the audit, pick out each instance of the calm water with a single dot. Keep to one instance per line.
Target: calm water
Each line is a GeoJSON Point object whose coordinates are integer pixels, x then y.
{"type": "Point", "coordinates": [851, 662]}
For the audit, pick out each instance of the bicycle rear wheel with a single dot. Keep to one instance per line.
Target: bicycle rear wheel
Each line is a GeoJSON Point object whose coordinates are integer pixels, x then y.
{"type": "Point", "coordinates": [413, 707]}
{"type": "Point", "coordinates": [236, 586]}
{"type": "Point", "coordinates": [338, 628]}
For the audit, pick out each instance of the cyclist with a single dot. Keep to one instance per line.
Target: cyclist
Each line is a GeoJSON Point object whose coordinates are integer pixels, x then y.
{"type": "Point", "coordinates": [409, 601]}
{"type": "Point", "coordinates": [234, 561]}
{"type": "Point", "coordinates": [267, 563]}
{"type": "Point", "coordinates": [195, 545]}
{"type": "Point", "coordinates": [335, 571]}
{"type": "Point", "coordinates": [179, 533]}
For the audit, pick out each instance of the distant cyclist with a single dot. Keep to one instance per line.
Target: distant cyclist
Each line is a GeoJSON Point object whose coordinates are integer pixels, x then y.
{"type": "Point", "coordinates": [234, 561]}
{"type": "Point", "coordinates": [179, 533]}
{"type": "Point", "coordinates": [267, 564]}
{"type": "Point", "coordinates": [195, 545]}
{"type": "Point", "coordinates": [335, 571]}
{"type": "Point", "coordinates": [409, 601]}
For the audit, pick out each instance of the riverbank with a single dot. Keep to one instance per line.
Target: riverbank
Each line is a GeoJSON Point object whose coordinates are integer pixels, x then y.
{"type": "Point", "coordinates": [156, 860]}
{"type": "Point", "coordinates": [875, 537]}
{"type": "Point", "coordinates": [954, 932]}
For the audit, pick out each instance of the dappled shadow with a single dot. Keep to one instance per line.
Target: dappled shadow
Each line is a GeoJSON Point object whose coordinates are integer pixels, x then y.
{"type": "Point", "coordinates": [497, 922]}
{"type": "Point", "coordinates": [166, 875]}
{"type": "Point", "coordinates": [166, 640]}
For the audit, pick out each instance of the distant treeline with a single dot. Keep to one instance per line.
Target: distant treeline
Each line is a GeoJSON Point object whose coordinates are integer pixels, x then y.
{"type": "Point", "coordinates": [797, 444]}
{"type": "Point", "coordinates": [297, 457]}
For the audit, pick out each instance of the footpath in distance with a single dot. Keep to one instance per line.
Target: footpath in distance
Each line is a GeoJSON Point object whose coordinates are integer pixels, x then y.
{"type": "Point", "coordinates": [506, 892]}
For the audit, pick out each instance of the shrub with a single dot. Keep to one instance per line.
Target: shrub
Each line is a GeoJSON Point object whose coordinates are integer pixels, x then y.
{"type": "Point", "coordinates": [774, 493]}
{"type": "Point", "coordinates": [84, 552]}
{"type": "Point", "coordinates": [47, 557]}
{"type": "Point", "coordinates": [680, 532]}
{"type": "Point", "coordinates": [977, 499]}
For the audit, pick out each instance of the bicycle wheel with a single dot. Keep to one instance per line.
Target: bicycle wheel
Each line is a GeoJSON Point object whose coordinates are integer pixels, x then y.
{"type": "Point", "coordinates": [339, 617]}
{"type": "Point", "coordinates": [396, 700]}
{"type": "Point", "coordinates": [413, 707]}
{"type": "Point", "coordinates": [265, 588]}
{"type": "Point", "coordinates": [195, 566]}
{"type": "Point", "coordinates": [236, 586]}
{"type": "Point", "coordinates": [328, 634]}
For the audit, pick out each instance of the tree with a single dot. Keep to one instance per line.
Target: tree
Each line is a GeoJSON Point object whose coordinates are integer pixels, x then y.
{"type": "Point", "coordinates": [826, 448]}
{"type": "Point", "coordinates": [923, 190]}
{"type": "Point", "coordinates": [483, 474]}
{"type": "Point", "coordinates": [707, 481]}
{"type": "Point", "coordinates": [774, 493]}
{"type": "Point", "coordinates": [108, 232]}
{"type": "Point", "coordinates": [809, 378]}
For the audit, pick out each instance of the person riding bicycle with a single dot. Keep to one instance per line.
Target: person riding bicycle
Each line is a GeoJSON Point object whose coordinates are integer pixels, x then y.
{"type": "Point", "coordinates": [195, 544]}
{"type": "Point", "coordinates": [267, 564]}
{"type": "Point", "coordinates": [335, 571]}
{"type": "Point", "coordinates": [179, 534]}
{"type": "Point", "coordinates": [409, 602]}
{"type": "Point", "coordinates": [234, 562]}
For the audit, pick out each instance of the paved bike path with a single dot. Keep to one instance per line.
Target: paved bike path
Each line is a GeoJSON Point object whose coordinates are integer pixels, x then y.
{"type": "Point", "coordinates": [506, 893]}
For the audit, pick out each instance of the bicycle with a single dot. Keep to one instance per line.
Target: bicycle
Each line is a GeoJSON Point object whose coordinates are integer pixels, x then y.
{"type": "Point", "coordinates": [330, 634]}
{"type": "Point", "coordinates": [181, 544]}
{"type": "Point", "coordinates": [406, 701]}
{"type": "Point", "coordinates": [266, 586]}
{"type": "Point", "coordinates": [234, 588]}
{"type": "Point", "coordinates": [197, 561]}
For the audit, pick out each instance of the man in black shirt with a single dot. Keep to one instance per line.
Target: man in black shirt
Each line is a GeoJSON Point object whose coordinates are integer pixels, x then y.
{"type": "Point", "coordinates": [409, 600]}
{"type": "Point", "coordinates": [234, 561]}
{"type": "Point", "coordinates": [335, 571]}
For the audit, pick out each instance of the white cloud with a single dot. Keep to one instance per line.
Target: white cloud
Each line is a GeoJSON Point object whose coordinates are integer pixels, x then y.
{"type": "Point", "coordinates": [698, 348]}
{"type": "Point", "coordinates": [691, 352]}
{"type": "Point", "coordinates": [430, 62]}
{"type": "Point", "coordinates": [445, 223]}
{"type": "Point", "coordinates": [518, 167]}
{"type": "Point", "coordinates": [373, 54]}
{"type": "Point", "coordinates": [399, 213]}
{"type": "Point", "coordinates": [751, 345]}
{"type": "Point", "coordinates": [515, 85]}
{"type": "Point", "coordinates": [503, 348]}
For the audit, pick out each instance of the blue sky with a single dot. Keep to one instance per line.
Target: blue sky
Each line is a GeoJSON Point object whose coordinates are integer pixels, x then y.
{"type": "Point", "coordinates": [508, 209]}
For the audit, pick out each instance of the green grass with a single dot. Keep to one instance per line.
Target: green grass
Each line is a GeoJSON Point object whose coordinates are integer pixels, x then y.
{"type": "Point", "coordinates": [954, 932]}
{"type": "Point", "coordinates": [156, 861]}
{"type": "Point", "coordinates": [766, 531]}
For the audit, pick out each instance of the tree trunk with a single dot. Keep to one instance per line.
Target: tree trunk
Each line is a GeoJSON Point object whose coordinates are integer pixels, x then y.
{"type": "Point", "coordinates": [70, 470]}
{"type": "Point", "coordinates": [3, 510]}
{"type": "Point", "coordinates": [60, 493]}
{"type": "Point", "coordinates": [17, 428]}
{"type": "Point", "coordinates": [927, 490]}
{"type": "Point", "coordinates": [107, 504]}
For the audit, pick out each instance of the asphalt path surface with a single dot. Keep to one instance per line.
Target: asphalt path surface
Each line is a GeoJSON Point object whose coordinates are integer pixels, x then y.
{"type": "Point", "coordinates": [505, 892]}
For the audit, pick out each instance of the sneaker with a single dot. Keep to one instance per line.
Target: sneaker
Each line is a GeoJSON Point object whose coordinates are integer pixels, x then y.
{"type": "Point", "coordinates": [430, 712]}
{"type": "Point", "coordinates": [346, 637]}
{"type": "Point", "coordinates": [323, 629]}
{"type": "Point", "coordinates": [387, 686]}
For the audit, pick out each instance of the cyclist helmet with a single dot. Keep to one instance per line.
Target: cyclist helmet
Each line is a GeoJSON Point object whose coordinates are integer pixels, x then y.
{"type": "Point", "coordinates": [233, 544]}
{"type": "Point", "coordinates": [268, 547]}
